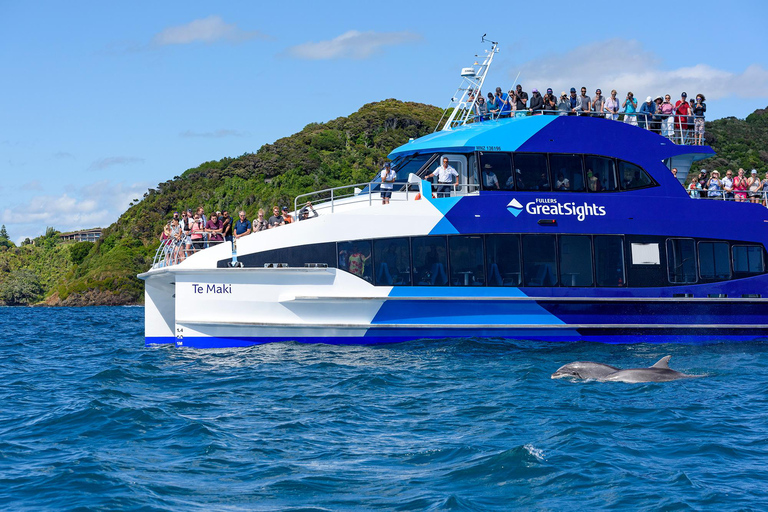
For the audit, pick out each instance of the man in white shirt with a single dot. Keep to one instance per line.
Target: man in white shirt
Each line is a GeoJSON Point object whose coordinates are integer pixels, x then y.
{"type": "Point", "coordinates": [445, 174]}
{"type": "Point", "coordinates": [490, 181]}
{"type": "Point", "coordinates": [388, 177]}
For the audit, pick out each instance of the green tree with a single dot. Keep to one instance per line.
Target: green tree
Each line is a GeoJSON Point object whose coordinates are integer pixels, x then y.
{"type": "Point", "coordinates": [4, 240]}
{"type": "Point", "coordinates": [21, 288]}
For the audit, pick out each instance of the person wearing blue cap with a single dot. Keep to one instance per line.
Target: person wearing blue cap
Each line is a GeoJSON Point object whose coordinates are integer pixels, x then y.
{"type": "Point", "coordinates": [575, 103]}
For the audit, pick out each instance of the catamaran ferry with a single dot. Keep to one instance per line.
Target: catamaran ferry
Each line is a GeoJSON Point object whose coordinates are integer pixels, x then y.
{"type": "Point", "coordinates": [557, 228]}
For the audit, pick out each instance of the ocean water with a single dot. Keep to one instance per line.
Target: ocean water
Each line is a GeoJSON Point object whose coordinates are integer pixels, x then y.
{"type": "Point", "coordinates": [90, 419]}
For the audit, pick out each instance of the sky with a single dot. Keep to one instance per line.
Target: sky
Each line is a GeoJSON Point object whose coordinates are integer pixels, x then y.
{"type": "Point", "coordinates": [100, 101]}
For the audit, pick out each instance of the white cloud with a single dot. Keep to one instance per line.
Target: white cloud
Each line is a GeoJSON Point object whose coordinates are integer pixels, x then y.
{"type": "Point", "coordinates": [96, 205]}
{"type": "Point", "coordinates": [625, 66]}
{"type": "Point", "coordinates": [103, 163]}
{"type": "Point", "coordinates": [206, 30]}
{"type": "Point", "coordinates": [216, 134]}
{"type": "Point", "coordinates": [351, 45]}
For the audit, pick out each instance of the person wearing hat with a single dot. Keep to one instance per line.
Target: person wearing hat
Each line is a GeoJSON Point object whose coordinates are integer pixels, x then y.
{"type": "Point", "coordinates": [494, 105]}
{"type": "Point", "coordinates": [575, 103]}
{"type": "Point", "coordinates": [702, 179]}
{"type": "Point", "coordinates": [682, 111]}
{"type": "Point", "coordinates": [753, 183]}
{"type": "Point", "coordinates": [656, 119]}
{"type": "Point", "coordinates": [548, 95]}
{"type": "Point", "coordinates": [304, 212]}
{"type": "Point", "coordinates": [647, 110]}
{"type": "Point", "coordinates": [537, 103]}
{"type": "Point", "coordinates": [698, 118]}
{"type": "Point", "coordinates": [388, 177]}
{"type": "Point", "coordinates": [563, 106]}
{"type": "Point", "coordinates": [714, 185]}
{"type": "Point", "coordinates": [521, 98]}
{"type": "Point", "coordinates": [287, 216]}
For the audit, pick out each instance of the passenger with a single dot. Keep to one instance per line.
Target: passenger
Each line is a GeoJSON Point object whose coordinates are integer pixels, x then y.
{"type": "Point", "coordinates": [754, 187]}
{"type": "Point", "coordinates": [178, 241]}
{"type": "Point", "coordinates": [213, 230]}
{"type": "Point", "coordinates": [585, 102]}
{"type": "Point", "coordinates": [668, 121]}
{"type": "Point", "coordinates": [694, 189]}
{"type": "Point", "coordinates": [259, 223]}
{"type": "Point", "coordinates": [388, 177]}
{"type": "Point", "coordinates": [562, 182]}
{"type": "Point", "coordinates": [740, 187]}
{"type": "Point", "coordinates": [647, 110]}
{"type": "Point", "coordinates": [630, 107]}
{"type": "Point", "coordinates": [563, 106]}
{"type": "Point", "coordinates": [537, 103]}
{"type": "Point", "coordinates": [543, 182]}
{"type": "Point", "coordinates": [593, 181]}
{"type": "Point", "coordinates": [490, 180]}
{"type": "Point", "coordinates": [728, 185]}
{"type": "Point", "coordinates": [575, 103]}
{"type": "Point", "coordinates": [548, 95]}
{"type": "Point", "coordinates": [304, 212]}
{"type": "Point", "coordinates": [494, 105]}
{"type": "Point", "coordinates": [521, 98]}
{"type": "Point", "coordinates": [242, 226]}
{"type": "Point", "coordinates": [276, 219]}
{"type": "Point", "coordinates": [446, 175]}
{"type": "Point", "coordinates": [550, 105]}
{"type": "Point", "coordinates": [226, 226]}
{"type": "Point", "coordinates": [511, 103]}
{"type": "Point", "coordinates": [204, 221]}
{"type": "Point", "coordinates": [674, 172]}
{"type": "Point", "coordinates": [657, 118]}
{"type": "Point", "coordinates": [506, 104]}
{"type": "Point", "coordinates": [286, 215]}
{"type": "Point", "coordinates": [481, 110]}
{"type": "Point", "coordinates": [714, 186]}
{"type": "Point", "coordinates": [196, 233]}
{"type": "Point", "coordinates": [357, 261]}
{"type": "Point", "coordinates": [598, 104]}
{"type": "Point", "coordinates": [698, 121]}
{"type": "Point", "coordinates": [764, 192]}
{"type": "Point", "coordinates": [166, 241]}
{"type": "Point", "coordinates": [500, 96]}
{"type": "Point", "coordinates": [611, 106]}
{"type": "Point", "coordinates": [186, 226]}
{"type": "Point", "coordinates": [682, 111]}
{"type": "Point", "coordinates": [703, 183]}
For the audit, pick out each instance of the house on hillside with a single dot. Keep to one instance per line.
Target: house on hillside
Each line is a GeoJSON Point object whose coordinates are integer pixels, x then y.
{"type": "Point", "coordinates": [83, 235]}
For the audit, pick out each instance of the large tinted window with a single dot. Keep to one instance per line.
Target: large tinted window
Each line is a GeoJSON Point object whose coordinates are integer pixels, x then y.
{"type": "Point", "coordinates": [575, 260]}
{"type": "Point", "coordinates": [601, 174]}
{"type": "Point", "coordinates": [299, 256]}
{"type": "Point", "coordinates": [681, 260]}
{"type": "Point", "coordinates": [467, 260]}
{"type": "Point", "coordinates": [531, 171]}
{"type": "Point", "coordinates": [410, 165]}
{"type": "Point", "coordinates": [539, 265]}
{"type": "Point", "coordinates": [748, 259]}
{"type": "Point", "coordinates": [567, 173]}
{"type": "Point", "coordinates": [496, 171]}
{"type": "Point", "coordinates": [714, 260]}
{"type": "Point", "coordinates": [609, 261]}
{"type": "Point", "coordinates": [633, 177]}
{"type": "Point", "coordinates": [503, 260]}
{"type": "Point", "coordinates": [355, 258]}
{"type": "Point", "coordinates": [430, 261]}
{"type": "Point", "coordinates": [392, 259]}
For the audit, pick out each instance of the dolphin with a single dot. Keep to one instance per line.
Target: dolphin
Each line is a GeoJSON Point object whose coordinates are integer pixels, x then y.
{"type": "Point", "coordinates": [659, 372]}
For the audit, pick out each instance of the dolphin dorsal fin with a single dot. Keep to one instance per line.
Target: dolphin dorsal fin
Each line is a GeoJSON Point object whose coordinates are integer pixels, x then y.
{"type": "Point", "coordinates": [663, 363]}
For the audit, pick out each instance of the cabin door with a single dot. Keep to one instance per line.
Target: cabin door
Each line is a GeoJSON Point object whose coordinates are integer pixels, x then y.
{"type": "Point", "coordinates": [459, 162]}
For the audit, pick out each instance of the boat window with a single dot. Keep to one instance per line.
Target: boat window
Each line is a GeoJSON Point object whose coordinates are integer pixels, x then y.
{"type": "Point", "coordinates": [575, 260]}
{"type": "Point", "coordinates": [503, 260]}
{"type": "Point", "coordinates": [392, 262]}
{"type": "Point", "coordinates": [567, 173]}
{"type": "Point", "coordinates": [539, 265]}
{"type": "Point", "coordinates": [601, 174]}
{"type": "Point", "coordinates": [681, 260]}
{"type": "Point", "coordinates": [430, 261]}
{"type": "Point", "coordinates": [609, 261]}
{"type": "Point", "coordinates": [467, 260]}
{"type": "Point", "coordinates": [322, 254]}
{"type": "Point", "coordinates": [748, 259]}
{"type": "Point", "coordinates": [531, 171]}
{"type": "Point", "coordinates": [645, 254]}
{"type": "Point", "coordinates": [355, 258]}
{"type": "Point", "coordinates": [496, 170]}
{"type": "Point", "coordinates": [714, 260]}
{"type": "Point", "coordinates": [633, 177]}
{"type": "Point", "coordinates": [412, 164]}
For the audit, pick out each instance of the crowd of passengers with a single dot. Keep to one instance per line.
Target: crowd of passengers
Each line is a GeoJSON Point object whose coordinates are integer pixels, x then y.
{"type": "Point", "coordinates": [741, 188]}
{"type": "Point", "coordinates": [188, 232]}
{"type": "Point", "coordinates": [657, 114]}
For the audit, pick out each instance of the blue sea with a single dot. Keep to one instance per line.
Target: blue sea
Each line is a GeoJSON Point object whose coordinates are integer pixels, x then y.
{"type": "Point", "coordinates": [91, 419]}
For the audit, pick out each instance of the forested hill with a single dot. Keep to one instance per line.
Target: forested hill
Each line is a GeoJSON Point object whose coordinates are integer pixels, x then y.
{"type": "Point", "coordinates": [342, 151]}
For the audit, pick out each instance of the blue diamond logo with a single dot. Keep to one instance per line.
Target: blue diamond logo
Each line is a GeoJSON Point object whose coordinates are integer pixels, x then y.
{"type": "Point", "coordinates": [515, 207]}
